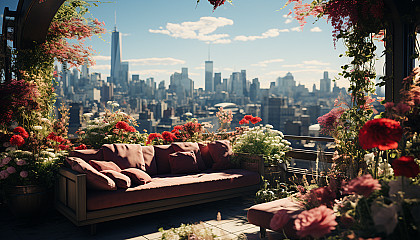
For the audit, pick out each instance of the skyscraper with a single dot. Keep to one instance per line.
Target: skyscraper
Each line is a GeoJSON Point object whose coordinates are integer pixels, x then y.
{"type": "Point", "coordinates": [116, 57]}
{"type": "Point", "coordinates": [209, 76]}
{"type": "Point", "coordinates": [217, 81]}
{"type": "Point", "coordinates": [325, 84]}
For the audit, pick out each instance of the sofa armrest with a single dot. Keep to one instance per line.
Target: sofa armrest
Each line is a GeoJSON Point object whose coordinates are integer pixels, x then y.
{"type": "Point", "coordinates": [71, 193]}
{"type": "Point", "coordinates": [252, 162]}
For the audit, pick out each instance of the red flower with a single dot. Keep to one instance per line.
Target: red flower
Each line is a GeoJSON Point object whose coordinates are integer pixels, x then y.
{"type": "Point", "coordinates": [315, 222]}
{"type": "Point", "coordinates": [17, 140]}
{"type": "Point", "coordinates": [177, 129]}
{"type": "Point", "coordinates": [130, 129]}
{"type": "Point", "coordinates": [122, 125]}
{"type": "Point", "coordinates": [63, 147]}
{"type": "Point", "coordinates": [243, 121]}
{"type": "Point", "coordinates": [54, 137]}
{"type": "Point", "coordinates": [363, 185]}
{"type": "Point", "coordinates": [321, 196]}
{"type": "Point", "coordinates": [255, 120]}
{"type": "Point", "coordinates": [216, 3]}
{"type": "Point", "coordinates": [21, 131]}
{"type": "Point", "coordinates": [168, 136]}
{"type": "Point", "coordinates": [248, 117]}
{"type": "Point", "coordinates": [405, 166]}
{"type": "Point", "coordinates": [153, 136]}
{"type": "Point", "coordinates": [382, 133]}
{"type": "Point", "coordinates": [81, 147]}
{"type": "Point", "coordinates": [59, 139]}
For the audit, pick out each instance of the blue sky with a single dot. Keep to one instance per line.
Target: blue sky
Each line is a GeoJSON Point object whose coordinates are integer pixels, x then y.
{"type": "Point", "coordinates": [162, 36]}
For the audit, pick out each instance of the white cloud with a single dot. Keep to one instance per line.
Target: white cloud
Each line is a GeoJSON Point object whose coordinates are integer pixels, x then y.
{"type": "Point", "coordinates": [316, 62]}
{"type": "Point", "coordinates": [201, 30]}
{"type": "Point", "coordinates": [316, 29]}
{"type": "Point", "coordinates": [102, 58]}
{"type": "Point", "coordinates": [288, 21]}
{"type": "Point", "coordinates": [156, 61]}
{"type": "Point", "coordinates": [101, 67]}
{"type": "Point", "coordinates": [266, 62]}
{"type": "Point", "coordinates": [296, 29]}
{"type": "Point", "coordinates": [274, 32]}
{"type": "Point", "coordinates": [126, 34]}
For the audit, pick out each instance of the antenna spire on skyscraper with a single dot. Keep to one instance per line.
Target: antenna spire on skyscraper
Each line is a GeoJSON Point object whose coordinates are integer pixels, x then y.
{"type": "Point", "coordinates": [115, 16]}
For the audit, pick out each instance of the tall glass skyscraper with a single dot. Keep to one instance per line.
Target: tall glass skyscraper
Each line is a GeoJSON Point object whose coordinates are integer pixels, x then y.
{"type": "Point", "coordinates": [116, 57]}
{"type": "Point", "coordinates": [209, 76]}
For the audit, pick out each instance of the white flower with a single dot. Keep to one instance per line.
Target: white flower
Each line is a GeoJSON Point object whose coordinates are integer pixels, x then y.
{"type": "Point", "coordinates": [109, 102]}
{"type": "Point", "coordinates": [46, 120]}
{"type": "Point", "coordinates": [269, 126]}
{"type": "Point", "coordinates": [115, 104]}
{"type": "Point", "coordinates": [38, 128]}
{"type": "Point", "coordinates": [188, 114]}
{"type": "Point", "coordinates": [87, 115]}
{"type": "Point", "coordinates": [369, 158]}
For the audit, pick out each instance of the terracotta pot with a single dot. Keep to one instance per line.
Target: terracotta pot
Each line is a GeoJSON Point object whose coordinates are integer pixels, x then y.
{"type": "Point", "coordinates": [27, 202]}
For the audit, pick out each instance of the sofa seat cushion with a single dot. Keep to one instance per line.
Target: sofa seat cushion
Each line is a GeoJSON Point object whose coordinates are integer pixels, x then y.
{"type": "Point", "coordinates": [171, 186]}
{"type": "Point", "coordinates": [261, 214]}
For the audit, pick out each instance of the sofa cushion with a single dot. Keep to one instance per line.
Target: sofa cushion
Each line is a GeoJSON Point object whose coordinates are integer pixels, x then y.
{"type": "Point", "coordinates": [94, 179]}
{"type": "Point", "coordinates": [137, 176]}
{"type": "Point", "coordinates": [190, 146]}
{"type": "Point", "coordinates": [174, 185]}
{"type": "Point", "coordinates": [220, 151]}
{"type": "Point", "coordinates": [183, 162]}
{"type": "Point", "coordinates": [205, 155]}
{"type": "Point", "coordinates": [121, 180]}
{"type": "Point", "coordinates": [261, 214]}
{"type": "Point", "coordinates": [104, 165]}
{"type": "Point", "coordinates": [88, 154]}
{"type": "Point", "coordinates": [124, 155]}
{"type": "Point", "coordinates": [162, 158]}
{"type": "Point", "coordinates": [149, 159]}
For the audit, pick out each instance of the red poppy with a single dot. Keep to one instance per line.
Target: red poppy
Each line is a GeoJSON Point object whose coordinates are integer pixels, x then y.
{"type": "Point", "coordinates": [21, 131]}
{"type": "Point", "coordinates": [168, 136]}
{"type": "Point", "coordinates": [17, 140]}
{"type": "Point", "coordinates": [130, 129]}
{"type": "Point", "coordinates": [243, 121]}
{"type": "Point", "coordinates": [122, 125]}
{"type": "Point", "coordinates": [382, 133]}
{"type": "Point", "coordinates": [248, 117]}
{"type": "Point", "coordinates": [255, 120]}
{"type": "Point", "coordinates": [81, 147]}
{"type": "Point", "coordinates": [405, 166]}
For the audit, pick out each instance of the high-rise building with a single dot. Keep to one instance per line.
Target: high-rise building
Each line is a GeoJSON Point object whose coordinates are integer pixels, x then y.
{"type": "Point", "coordinates": [208, 81]}
{"type": "Point", "coordinates": [244, 83]}
{"type": "Point", "coordinates": [254, 90]}
{"type": "Point", "coordinates": [217, 81]}
{"type": "Point", "coordinates": [124, 75]}
{"type": "Point", "coordinates": [116, 57]}
{"type": "Point", "coordinates": [325, 84]}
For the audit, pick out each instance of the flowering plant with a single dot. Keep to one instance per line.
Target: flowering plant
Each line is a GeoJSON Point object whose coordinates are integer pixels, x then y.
{"type": "Point", "coordinates": [110, 127]}
{"type": "Point", "coordinates": [225, 118]}
{"type": "Point", "coordinates": [263, 140]}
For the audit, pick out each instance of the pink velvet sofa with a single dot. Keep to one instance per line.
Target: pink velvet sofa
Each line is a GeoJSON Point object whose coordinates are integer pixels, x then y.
{"type": "Point", "coordinates": [149, 179]}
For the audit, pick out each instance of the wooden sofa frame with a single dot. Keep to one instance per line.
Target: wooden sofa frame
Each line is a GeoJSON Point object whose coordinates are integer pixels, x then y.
{"type": "Point", "coordinates": [70, 200]}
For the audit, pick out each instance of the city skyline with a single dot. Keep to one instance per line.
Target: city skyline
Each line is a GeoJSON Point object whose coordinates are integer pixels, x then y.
{"type": "Point", "coordinates": [161, 37]}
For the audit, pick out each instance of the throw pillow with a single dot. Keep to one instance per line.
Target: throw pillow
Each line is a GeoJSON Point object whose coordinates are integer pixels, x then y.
{"type": "Point", "coordinates": [124, 155]}
{"type": "Point", "coordinates": [183, 162]}
{"type": "Point", "coordinates": [104, 165]}
{"type": "Point", "coordinates": [205, 155]}
{"type": "Point", "coordinates": [94, 179]}
{"type": "Point", "coordinates": [88, 154]}
{"type": "Point", "coordinates": [121, 180]}
{"type": "Point", "coordinates": [190, 146]}
{"type": "Point", "coordinates": [162, 158]}
{"type": "Point", "coordinates": [137, 176]}
{"type": "Point", "coordinates": [220, 152]}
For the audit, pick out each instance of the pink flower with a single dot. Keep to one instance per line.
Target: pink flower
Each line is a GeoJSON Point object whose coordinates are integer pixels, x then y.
{"type": "Point", "coordinates": [11, 170]}
{"type": "Point", "coordinates": [4, 174]}
{"type": "Point", "coordinates": [315, 222]}
{"type": "Point", "coordinates": [23, 174]}
{"type": "Point", "coordinates": [279, 219]}
{"type": "Point", "coordinates": [363, 185]}
{"type": "Point", "coordinates": [6, 160]}
{"type": "Point", "coordinates": [20, 162]}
